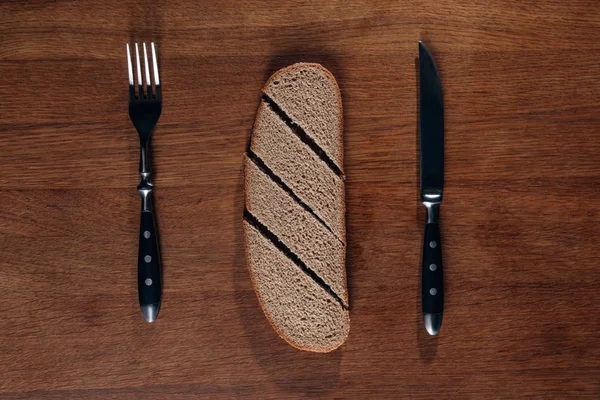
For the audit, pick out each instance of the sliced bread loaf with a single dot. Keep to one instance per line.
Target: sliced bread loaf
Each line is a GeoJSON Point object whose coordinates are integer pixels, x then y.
{"type": "Point", "coordinates": [297, 229]}
{"type": "Point", "coordinates": [310, 96]}
{"type": "Point", "coordinates": [295, 212]}
{"type": "Point", "coordinates": [303, 171]}
{"type": "Point", "coordinates": [300, 310]}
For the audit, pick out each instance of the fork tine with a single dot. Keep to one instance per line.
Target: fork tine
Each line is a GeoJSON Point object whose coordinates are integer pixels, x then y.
{"type": "Point", "coordinates": [139, 69]}
{"type": "Point", "coordinates": [154, 65]}
{"type": "Point", "coordinates": [146, 69]}
{"type": "Point", "coordinates": [129, 68]}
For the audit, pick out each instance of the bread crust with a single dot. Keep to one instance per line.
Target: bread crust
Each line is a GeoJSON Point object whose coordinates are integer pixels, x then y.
{"type": "Point", "coordinates": [340, 164]}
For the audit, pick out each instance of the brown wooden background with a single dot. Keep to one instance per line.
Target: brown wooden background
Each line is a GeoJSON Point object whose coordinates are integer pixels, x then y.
{"type": "Point", "coordinates": [520, 216]}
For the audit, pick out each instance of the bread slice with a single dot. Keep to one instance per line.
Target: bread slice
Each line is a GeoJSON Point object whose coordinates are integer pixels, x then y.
{"type": "Point", "coordinates": [300, 310]}
{"type": "Point", "coordinates": [300, 168]}
{"type": "Point", "coordinates": [310, 96]}
{"type": "Point", "coordinates": [297, 229]}
{"type": "Point", "coordinates": [295, 210]}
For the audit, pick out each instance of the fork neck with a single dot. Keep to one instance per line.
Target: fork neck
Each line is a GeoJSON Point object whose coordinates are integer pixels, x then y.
{"type": "Point", "coordinates": [145, 165]}
{"type": "Point", "coordinates": [145, 187]}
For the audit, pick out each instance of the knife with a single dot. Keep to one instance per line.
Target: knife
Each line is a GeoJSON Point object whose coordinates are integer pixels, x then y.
{"type": "Point", "coordinates": [432, 185]}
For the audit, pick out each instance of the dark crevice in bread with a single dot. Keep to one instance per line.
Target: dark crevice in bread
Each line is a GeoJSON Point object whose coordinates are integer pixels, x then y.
{"type": "Point", "coordinates": [269, 172]}
{"type": "Point", "coordinates": [252, 220]}
{"type": "Point", "coordinates": [297, 129]}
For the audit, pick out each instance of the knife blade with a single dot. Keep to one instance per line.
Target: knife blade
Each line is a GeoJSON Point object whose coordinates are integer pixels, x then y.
{"type": "Point", "coordinates": [432, 187]}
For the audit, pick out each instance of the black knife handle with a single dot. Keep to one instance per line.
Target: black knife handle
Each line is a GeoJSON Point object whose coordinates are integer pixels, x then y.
{"type": "Point", "coordinates": [149, 271]}
{"type": "Point", "coordinates": [432, 289]}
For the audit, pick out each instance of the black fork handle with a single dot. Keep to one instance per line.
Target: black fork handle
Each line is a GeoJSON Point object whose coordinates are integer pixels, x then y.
{"type": "Point", "coordinates": [149, 269]}
{"type": "Point", "coordinates": [149, 266]}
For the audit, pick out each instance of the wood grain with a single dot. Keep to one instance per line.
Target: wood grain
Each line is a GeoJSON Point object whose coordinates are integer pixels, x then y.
{"type": "Point", "coordinates": [519, 220]}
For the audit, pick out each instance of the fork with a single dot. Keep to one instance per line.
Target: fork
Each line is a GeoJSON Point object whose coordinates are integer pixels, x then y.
{"type": "Point", "coordinates": [145, 105]}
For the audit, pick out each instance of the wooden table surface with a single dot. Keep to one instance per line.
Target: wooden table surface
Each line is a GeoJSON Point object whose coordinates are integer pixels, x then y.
{"type": "Point", "coordinates": [520, 216]}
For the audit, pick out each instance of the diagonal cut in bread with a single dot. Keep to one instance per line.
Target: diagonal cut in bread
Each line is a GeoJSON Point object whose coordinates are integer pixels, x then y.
{"type": "Point", "coordinates": [318, 108]}
{"type": "Point", "coordinates": [299, 310]}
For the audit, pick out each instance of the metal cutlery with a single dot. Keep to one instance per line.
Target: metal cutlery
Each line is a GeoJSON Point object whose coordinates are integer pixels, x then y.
{"type": "Point", "coordinates": [432, 186]}
{"type": "Point", "coordinates": [145, 104]}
